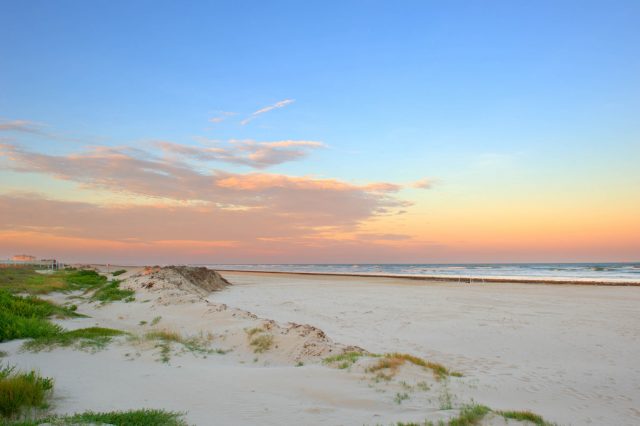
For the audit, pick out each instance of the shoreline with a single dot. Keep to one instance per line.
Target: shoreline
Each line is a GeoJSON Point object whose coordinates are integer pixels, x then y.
{"type": "Point", "coordinates": [462, 280]}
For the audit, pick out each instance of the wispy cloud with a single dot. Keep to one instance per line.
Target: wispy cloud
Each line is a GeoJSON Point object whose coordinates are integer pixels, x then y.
{"type": "Point", "coordinates": [247, 152]}
{"type": "Point", "coordinates": [221, 116]}
{"type": "Point", "coordinates": [425, 183]}
{"type": "Point", "coordinates": [24, 126]}
{"type": "Point", "coordinates": [280, 104]}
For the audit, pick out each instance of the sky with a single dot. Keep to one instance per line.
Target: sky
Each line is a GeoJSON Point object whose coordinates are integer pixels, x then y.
{"type": "Point", "coordinates": [320, 132]}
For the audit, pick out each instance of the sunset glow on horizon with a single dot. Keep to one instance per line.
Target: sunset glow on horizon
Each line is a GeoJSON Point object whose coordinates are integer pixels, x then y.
{"type": "Point", "coordinates": [419, 132]}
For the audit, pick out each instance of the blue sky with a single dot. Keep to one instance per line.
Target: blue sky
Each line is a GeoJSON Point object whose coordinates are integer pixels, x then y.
{"type": "Point", "coordinates": [398, 91]}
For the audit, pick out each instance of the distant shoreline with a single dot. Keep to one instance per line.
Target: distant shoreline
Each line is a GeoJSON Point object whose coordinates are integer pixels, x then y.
{"type": "Point", "coordinates": [436, 278]}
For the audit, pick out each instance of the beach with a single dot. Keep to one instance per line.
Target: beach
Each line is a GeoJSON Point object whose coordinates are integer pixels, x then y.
{"type": "Point", "coordinates": [566, 352]}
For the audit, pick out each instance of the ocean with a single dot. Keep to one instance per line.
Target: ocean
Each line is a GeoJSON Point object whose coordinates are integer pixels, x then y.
{"type": "Point", "coordinates": [605, 272]}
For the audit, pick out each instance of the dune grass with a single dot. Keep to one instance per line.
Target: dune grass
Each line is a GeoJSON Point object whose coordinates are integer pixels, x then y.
{"type": "Point", "coordinates": [195, 344]}
{"type": "Point", "coordinates": [472, 415]}
{"type": "Point", "coordinates": [111, 292]}
{"type": "Point", "coordinates": [119, 272]}
{"type": "Point", "coordinates": [20, 391]}
{"type": "Point", "coordinates": [28, 280]}
{"type": "Point", "coordinates": [92, 339]}
{"type": "Point", "coordinates": [23, 317]}
{"type": "Point", "coordinates": [84, 279]}
{"type": "Point", "coordinates": [28, 317]}
{"type": "Point", "coordinates": [143, 417]}
{"type": "Point", "coordinates": [524, 416]}
{"type": "Point", "coordinates": [259, 339]}
{"type": "Point", "coordinates": [261, 343]}
{"type": "Point", "coordinates": [344, 360]}
{"type": "Point", "coordinates": [393, 361]}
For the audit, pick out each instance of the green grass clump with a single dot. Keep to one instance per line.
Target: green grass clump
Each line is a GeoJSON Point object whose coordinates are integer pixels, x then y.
{"type": "Point", "coordinates": [112, 292]}
{"type": "Point", "coordinates": [92, 338]}
{"type": "Point", "coordinates": [344, 360]}
{"type": "Point", "coordinates": [470, 415]}
{"type": "Point", "coordinates": [119, 272]}
{"type": "Point", "coordinates": [84, 279]}
{"type": "Point", "coordinates": [524, 416]}
{"type": "Point", "coordinates": [27, 280]}
{"type": "Point", "coordinates": [20, 391]}
{"type": "Point", "coordinates": [118, 418]}
{"type": "Point", "coordinates": [23, 317]}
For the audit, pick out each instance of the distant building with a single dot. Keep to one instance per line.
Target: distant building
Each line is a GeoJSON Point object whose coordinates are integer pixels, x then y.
{"type": "Point", "coordinates": [23, 258]}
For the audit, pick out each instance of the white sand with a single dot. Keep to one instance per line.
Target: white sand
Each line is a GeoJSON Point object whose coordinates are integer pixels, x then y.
{"type": "Point", "coordinates": [566, 352]}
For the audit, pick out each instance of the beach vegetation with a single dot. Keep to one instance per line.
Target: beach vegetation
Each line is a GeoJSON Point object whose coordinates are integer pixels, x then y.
{"type": "Point", "coordinates": [119, 272]}
{"type": "Point", "coordinates": [143, 417]}
{"type": "Point", "coordinates": [92, 339]}
{"type": "Point", "coordinates": [28, 280]}
{"type": "Point", "coordinates": [24, 317]}
{"type": "Point", "coordinates": [400, 397]}
{"type": "Point", "coordinates": [255, 330]}
{"type": "Point", "coordinates": [445, 398]}
{"type": "Point", "coordinates": [84, 279]}
{"type": "Point", "coordinates": [261, 343]}
{"type": "Point", "coordinates": [469, 415]}
{"type": "Point", "coordinates": [473, 414]}
{"type": "Point", "coordinates": [156, 320]}
{"type": "Point", "coordinates": [524, 416]}
{"type": "Point", "coordinates": [393, 361]}
{"type": "Point", "coordinates": [344, 360]}
{"type": "Point", "coordinates": [111, 292]}
{"type": "Point", "coordinates": [22, 390]}
{"type": "Point", "coordinates": [196, 344]}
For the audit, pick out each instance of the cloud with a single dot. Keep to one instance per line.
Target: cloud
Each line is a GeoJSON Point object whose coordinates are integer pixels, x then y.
{"type": "Point", "coordinates": [246, 152]}
{"type": "Point", "coordinates": [24, 126]}
{"type": "Point", "coordinates": [425, 183]}
{"type": "Point", "coordinates": [135, 233]}
{"type": "Point", "coordinates": [297, 201]}
{"type": "Point", "coordinates": [266, 109]}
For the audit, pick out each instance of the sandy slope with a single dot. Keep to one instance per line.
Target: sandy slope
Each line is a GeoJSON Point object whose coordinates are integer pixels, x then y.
{"type": "Point", "coordinates": [236, 388]}
{"type": "Point", "coordinates": [567, 352]}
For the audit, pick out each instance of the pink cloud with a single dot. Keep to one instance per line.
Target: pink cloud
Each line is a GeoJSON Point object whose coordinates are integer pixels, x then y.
{"type": "Point", "coordinates": [246, 152]}
{"type": "Point", "coordinates": [317, 202]}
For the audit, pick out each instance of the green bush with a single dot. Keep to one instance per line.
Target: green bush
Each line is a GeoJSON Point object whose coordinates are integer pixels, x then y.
{"type": "Point", "coordinates": [23, 317]}
{"type": "Point", "coordinates": [19, 390]}
{"type": "Point", "coordinates": [84, 279]}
